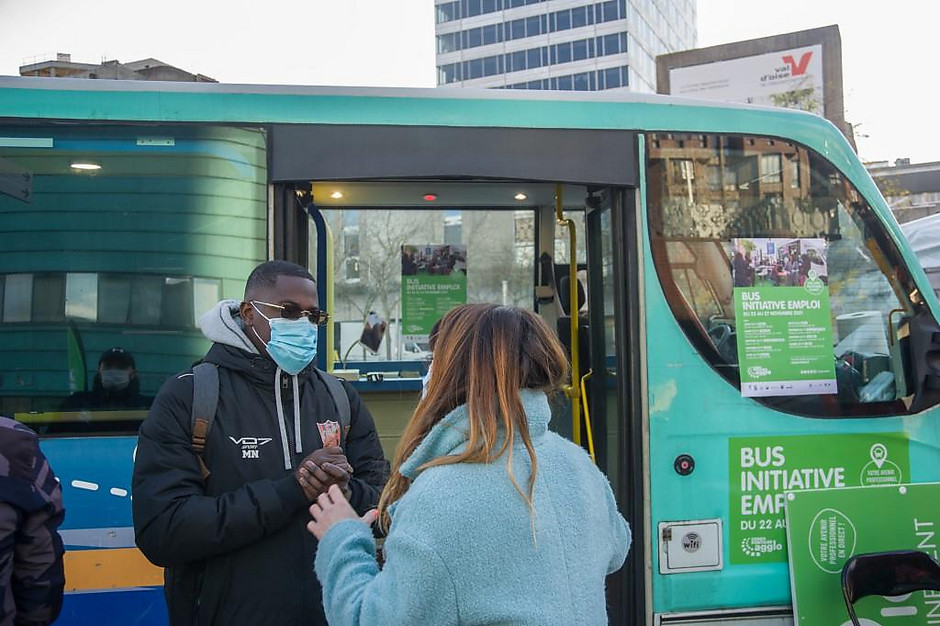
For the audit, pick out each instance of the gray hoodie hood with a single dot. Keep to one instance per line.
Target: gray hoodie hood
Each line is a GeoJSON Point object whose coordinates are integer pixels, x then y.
{"type": "Point", "coordinates": [222, 324]}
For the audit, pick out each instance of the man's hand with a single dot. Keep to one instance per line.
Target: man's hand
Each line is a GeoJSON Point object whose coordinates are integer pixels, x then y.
{"type": "Point", "coordinates": [331, 507]}
{"type": "Point", "coordinates": [325, 467]}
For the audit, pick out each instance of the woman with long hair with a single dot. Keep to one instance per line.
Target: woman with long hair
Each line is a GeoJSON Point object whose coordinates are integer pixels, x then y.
{"type": "Point", "coordinates": [490, 517]}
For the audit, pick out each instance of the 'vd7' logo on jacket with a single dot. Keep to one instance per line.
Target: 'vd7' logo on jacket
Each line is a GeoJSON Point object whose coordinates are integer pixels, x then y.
{"type": "Point", "coordinates": [250, 445]}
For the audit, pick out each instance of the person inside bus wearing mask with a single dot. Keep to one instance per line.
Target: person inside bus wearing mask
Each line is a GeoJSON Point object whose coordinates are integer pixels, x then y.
{"type": "Point", "coordinates": [491, 517]}
{"type": "Point", "coordinates": [115, 386]}
{"type": "Point", "coordinates": [233, 542]}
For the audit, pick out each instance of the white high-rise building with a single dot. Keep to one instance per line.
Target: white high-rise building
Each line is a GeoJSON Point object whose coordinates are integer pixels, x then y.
{"type": "Point", "coordinates": [582, 45]}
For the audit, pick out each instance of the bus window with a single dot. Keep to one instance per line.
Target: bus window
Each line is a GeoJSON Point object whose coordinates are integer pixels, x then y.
{"type": "Point", "coordinates": [730, 211]}
{"type": "Point", "coordinates": [119, 241]}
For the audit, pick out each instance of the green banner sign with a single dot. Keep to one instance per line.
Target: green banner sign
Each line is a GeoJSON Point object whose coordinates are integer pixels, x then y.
{"type": "Point", "coordinates": [762, 469]}
{"type": "Point", "coordinates": [785, 340]}
{"type": "Point", "coordinates": [825, 528]}
{"type": "Point", "coordinates": [76, 356]}
{"type": "Point", "coordinates": [433, 281]}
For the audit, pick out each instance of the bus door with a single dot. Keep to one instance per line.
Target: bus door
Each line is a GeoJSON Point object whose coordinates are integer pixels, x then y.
{"type": "Point", "coordinates": [613, 388]}
{"type": "Point", "coordinates": [607, 378]}
{"type": "Point", "coordinates": [782, 333]}
{"type": "Point", "coordinates": [370, 242]}
{"type": "Point", "coordinates": [491, 193]}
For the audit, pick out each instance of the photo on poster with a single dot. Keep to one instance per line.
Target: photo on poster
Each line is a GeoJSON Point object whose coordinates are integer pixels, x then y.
{"type": "Point", "coordinates": [778, 262]}
{"type": "Point", "coordinates": [433, 281]}
{"type": "Point", "coordinates": [784, 325]}
{"type": "Point", "coordinates": [433, 260]}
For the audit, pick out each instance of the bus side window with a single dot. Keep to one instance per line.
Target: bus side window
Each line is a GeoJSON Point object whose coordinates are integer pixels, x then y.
{"type": "Point", "coordinates": [730, 212]}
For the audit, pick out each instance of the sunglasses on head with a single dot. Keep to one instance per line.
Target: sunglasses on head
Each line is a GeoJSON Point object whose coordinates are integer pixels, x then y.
{"type": "Point", "coordinates": [291, 311]}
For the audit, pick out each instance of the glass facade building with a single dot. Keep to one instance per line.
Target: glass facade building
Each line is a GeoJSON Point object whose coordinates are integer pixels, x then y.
{"type": "Point", "coordinates": [573, 45]}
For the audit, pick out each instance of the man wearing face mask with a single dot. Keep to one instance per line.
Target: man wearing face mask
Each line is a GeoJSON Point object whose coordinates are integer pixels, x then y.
{"type": "Point", "coordinates": [234, 544]}
{"type": "Point", "coordinates": [116, 386]}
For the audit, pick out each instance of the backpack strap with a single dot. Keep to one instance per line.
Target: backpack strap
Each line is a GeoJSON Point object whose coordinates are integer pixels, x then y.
{"type": "Point", "coordinates": [340, 399]}
{"type": "Point", "coordinates": [205, 402]}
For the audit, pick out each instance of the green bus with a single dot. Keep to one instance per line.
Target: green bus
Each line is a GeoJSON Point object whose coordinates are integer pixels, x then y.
{"type": "Point", "coordinates": [746, 317]}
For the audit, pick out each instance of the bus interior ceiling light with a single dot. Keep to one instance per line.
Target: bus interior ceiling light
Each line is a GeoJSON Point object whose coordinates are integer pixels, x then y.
{"type": "Point", "coordinates": [430, 197]}
{"type": "Point", "coordinates": [520, 196]}
{"type": "Point", "coordinates": [336, 195]}
{"type": "Point", "coordinates": [84, 165]}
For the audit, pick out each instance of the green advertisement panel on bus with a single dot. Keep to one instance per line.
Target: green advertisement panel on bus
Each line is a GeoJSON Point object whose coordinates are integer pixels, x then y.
{"type": "Point", "coordinates": [781, 304]}
{"type": "Point", "coordinates": [433, 281]}
{"type": "Point", "coordinates": [762, 469]}
{"type": "Point", "coordinates": [827, 527]}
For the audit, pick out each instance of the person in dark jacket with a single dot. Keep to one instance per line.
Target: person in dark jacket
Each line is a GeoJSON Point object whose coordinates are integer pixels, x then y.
{"type": "Point", "coordinates": [31, 571]}
{"type": "Point", "coordinates": [235, 546]}
{"type": "Point", "coordinates": [116, 386]}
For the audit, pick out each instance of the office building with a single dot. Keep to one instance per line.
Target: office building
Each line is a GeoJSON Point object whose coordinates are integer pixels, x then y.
{"type": "Point", "coordinates": [579, 45]}
{"type": "Point", "coordinates": [912, 190]}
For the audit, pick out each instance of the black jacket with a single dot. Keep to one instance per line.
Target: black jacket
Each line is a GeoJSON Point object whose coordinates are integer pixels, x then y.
{"type": "Point", "coordinates": [236, 548]}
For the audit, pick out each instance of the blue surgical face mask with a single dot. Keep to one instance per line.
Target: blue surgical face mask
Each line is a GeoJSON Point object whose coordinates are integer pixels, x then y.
{"type": "Point", "coordinates": [115, 379]}
{"type": "Point", "coordinates": [293, 344]}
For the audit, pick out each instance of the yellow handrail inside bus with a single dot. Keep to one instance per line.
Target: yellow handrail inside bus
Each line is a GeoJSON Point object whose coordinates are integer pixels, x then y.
{"type": "Point", "coordinates": [573, 390]}
{"type": "Point", "coordinates": [587, 416]}
{"type": "Point", "coordinates": [331, 353]}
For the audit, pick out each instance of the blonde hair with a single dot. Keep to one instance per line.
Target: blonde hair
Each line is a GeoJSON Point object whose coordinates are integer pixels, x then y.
{"type": "Point", "coordinates": [483, 355]}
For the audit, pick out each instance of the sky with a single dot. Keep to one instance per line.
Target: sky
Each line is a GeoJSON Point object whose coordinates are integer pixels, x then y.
{"type": "Point", "coordinates": [888, 47]}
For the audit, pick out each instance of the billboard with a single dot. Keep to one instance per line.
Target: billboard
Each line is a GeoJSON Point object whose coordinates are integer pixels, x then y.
{"type": "Point", "coordinates": [801, 70]}
{"type": "Point", "coordinates": [791, 78]}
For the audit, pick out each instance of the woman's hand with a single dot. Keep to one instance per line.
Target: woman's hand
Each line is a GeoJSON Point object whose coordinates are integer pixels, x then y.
{"type": "Point", "coordinates": [331, 507]}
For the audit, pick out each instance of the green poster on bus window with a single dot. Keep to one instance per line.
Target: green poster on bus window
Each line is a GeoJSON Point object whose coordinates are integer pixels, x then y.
{"type": "Point", "coordinates": [433, 281]}
{"type": "Point", "coordinates": [825, 528]}
{"type": "Point", "coordinates": [781, 308]}
{"type": "Point", "coordinates": [784, 341]}
{"type": "Point", "coordinates": [761, 469]}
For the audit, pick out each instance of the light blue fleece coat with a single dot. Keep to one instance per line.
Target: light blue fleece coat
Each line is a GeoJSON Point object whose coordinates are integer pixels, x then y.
{"type": "Point", "coordinates": [461, 547]}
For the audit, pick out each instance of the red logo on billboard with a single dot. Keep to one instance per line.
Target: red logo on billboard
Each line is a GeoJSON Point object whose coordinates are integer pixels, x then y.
{"type": "Point", "coordinates": [798, 69]}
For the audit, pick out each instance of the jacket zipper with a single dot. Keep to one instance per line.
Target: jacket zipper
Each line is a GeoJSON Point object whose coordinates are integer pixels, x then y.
{"type": "Point", "coordinates": [288, 425]}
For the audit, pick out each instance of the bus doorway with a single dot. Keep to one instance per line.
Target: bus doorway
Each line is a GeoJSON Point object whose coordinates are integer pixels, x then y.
{"type": "Point", "coordinates": [402, 253]}
{"type": "Point", "coordinates": [367, 239]}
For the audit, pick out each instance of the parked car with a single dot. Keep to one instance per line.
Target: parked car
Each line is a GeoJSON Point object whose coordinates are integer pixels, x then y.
{"type": "Point", "coordinates": [924, 237]}
{"type": "Point", "coordinates": [416, 351]}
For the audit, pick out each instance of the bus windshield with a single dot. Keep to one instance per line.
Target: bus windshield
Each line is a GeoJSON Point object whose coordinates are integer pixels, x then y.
{"type": "Point", "coordinates": [732, 212]}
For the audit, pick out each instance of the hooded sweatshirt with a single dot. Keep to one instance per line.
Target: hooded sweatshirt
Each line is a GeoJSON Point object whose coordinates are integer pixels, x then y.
{"type": "Point", "coordinates": [464, 549]}
{"type": "Point", "coordinates": [235, 547]}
